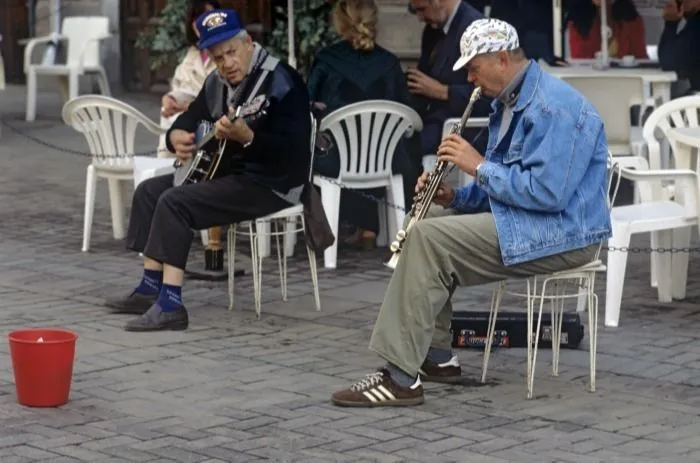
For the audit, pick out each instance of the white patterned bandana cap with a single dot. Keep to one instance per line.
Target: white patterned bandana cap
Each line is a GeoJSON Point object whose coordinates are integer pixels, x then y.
{"type": "Point", "coordinates": [485, 36]}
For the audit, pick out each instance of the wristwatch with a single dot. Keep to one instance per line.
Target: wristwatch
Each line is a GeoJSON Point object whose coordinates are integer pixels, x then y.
{"type": "Point", "coordinates": [476, 173]}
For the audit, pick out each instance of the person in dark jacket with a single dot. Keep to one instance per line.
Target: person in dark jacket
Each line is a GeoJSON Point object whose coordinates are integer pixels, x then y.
{"type": "Point", "coordinates": [352, 70]}
{"type": "Point", "coordinates": [439, 92]}
{"type": "Point", "coordinates": [264, 166]}
{"type": "Point", "coordinates": [679, 43]}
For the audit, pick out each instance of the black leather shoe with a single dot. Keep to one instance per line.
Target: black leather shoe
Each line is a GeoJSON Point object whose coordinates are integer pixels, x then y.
{"type": "Point", "coordinates": [134, 303]}
{"type": "Point", "coordinates": [156, 320]}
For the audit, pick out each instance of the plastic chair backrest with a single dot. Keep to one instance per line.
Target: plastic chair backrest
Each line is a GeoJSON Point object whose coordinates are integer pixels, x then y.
{"type": "Point", "coordinates": [681, 112]}
{"type": "Point", "coordinates": [81, 32]}
{"type": "Point", "coordinates": [109, 126]}
{"type": "Point", "coordinates": [612, 97]}
{"type": "Point", "coordinates": [366, 135]}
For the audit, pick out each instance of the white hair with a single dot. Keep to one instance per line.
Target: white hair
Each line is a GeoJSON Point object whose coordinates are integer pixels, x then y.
{"type": "Point", "coordinates": [242, 35]}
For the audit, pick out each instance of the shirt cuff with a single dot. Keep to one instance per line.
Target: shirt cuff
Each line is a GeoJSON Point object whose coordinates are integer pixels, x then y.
{"type": "Point", "coordinates": [485, 170]}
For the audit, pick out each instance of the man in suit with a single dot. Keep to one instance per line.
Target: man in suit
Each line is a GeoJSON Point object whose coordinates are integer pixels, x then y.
{"type": "Point", "coordinates": [439, 92]}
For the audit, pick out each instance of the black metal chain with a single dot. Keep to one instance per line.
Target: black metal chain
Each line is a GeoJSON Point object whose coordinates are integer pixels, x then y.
{"type": "Point", "coordinates": [628, 249]}
{"type": "Point", "coordinates": [649, 250]}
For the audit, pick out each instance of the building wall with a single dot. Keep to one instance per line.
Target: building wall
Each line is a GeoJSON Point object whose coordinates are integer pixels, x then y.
{"type": "Point", "coordinates": [399, 31]}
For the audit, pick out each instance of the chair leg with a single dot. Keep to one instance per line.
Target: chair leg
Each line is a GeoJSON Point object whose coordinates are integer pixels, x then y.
{"type": "Point", "coordinates": [531, 291]}
{"type": "Point", "coordinates": [581, 301]}
{"type": "Point", "coordinates": [73, 85]}
{"type": "Point", "coordinates": [557, 309]}
{"type": "Point", "coordinates": [290, 236]}
{"type": "Point", "coordinates": [256, 267]}
{"type": "Point", "coordinates": [264, 238]}
{"type": "Point", "coordinates": [116, 203]}
{"type": "Point", "coordinates": [90, 191]}
{"type": "Point", "coordinates": [615, 276]}
{"type": "Point", "coordinates": [281, 258]}
{"type": "Point", "coordinates": [592, 330]}
{"type": "Point", "coordinates": [533, 362]}
{"type": "Point", "coordinates": [103, 83]}
{"type": "Point", "coordinates": [31, 96]}
{"type": "Point", "coordinates": [330, 199]}
{"type": "Point", "coordinates": [665, 240]}
{"type": "Point", "coordinates": [679, 262]}
{"type": "Point", "coordinates": [231, 256]}
{"type": "Point", "coordinates": [384, 237]}
{"type": "Point", "coordinates": [654, 261]}
{"type": "Point", "coordinates": [397, 213]}
{"type": "Point", "coordinates": [493, 315]}
{"type": "Point", "coordinates": [314, 270]}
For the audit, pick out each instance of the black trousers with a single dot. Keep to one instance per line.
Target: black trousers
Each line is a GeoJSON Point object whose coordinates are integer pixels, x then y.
{"type": "Point", "coordinates": [163, 217]}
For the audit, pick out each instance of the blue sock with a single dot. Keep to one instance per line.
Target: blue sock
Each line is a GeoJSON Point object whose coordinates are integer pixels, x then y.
{"type": "Point", "coordinates": [170, 298]}
{"type": "Point", "coordinates": [399, 376]}
{"type": "Point", "coordinates": [438, 356]}
{"type": "Point", "coordinates": [150, 283]}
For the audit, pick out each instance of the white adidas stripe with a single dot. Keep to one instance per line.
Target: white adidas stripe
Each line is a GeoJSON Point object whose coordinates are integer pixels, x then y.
{"type": "Point", "coordinates": [379, 394]}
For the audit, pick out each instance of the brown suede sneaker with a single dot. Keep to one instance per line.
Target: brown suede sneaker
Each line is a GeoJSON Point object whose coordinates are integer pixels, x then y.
{"type": "Point", "coordinates": [379, 390]}
{"type": "Point", "coordinates": [449, 372]}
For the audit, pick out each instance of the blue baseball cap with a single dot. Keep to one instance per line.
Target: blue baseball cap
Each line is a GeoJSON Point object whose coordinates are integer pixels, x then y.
{"type": "Point", "coordinates": [216, 26]}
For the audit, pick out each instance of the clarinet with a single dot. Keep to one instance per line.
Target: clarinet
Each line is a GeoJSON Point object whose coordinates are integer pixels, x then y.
{"type": "Point", "coordinates": [424, 198]}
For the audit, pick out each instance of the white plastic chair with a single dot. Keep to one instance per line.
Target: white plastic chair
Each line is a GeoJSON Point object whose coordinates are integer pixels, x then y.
{"type": "Point", "coordinates": [669, 222]}
{"type": "Point", "coordinates": [83, 35]}
{"type": "Point", "coordinates": [109, 127]}
{"type": "Point", "coordinates": [681, 112]}
{"type": "Point", "coordinates": [259, 232]}
{"type": "Point", "coordinates": [581, 280]}
{"type": "Point", "coordinates": [366, 135]}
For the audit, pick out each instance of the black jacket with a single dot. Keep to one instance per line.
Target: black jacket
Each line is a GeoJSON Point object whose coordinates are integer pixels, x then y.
{"type": "Point", "coordinates": [279, 156]}
{"type": "Point", "coordinates": [676, 50]}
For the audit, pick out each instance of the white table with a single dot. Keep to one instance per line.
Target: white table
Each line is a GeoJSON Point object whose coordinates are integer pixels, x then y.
{"type": "Point", "coordinates": [657, 80]}
{"type": "Point", "coordinates": [685, 140]}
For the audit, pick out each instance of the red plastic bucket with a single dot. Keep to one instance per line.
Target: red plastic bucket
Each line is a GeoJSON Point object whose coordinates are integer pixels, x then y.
{"type": "Point", "coordinates": [42, 361]}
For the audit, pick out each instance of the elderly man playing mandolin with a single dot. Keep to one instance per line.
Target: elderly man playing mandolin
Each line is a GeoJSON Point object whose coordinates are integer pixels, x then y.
{"type": "Point", "coordinates": [264, 165]}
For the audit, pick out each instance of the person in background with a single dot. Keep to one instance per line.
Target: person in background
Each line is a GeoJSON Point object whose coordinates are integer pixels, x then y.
{"type": "Point", "coordinates": [533, 21]}
{"type": "Point", "coordinates": [352, 70]}
{"type": "Point", "coordinates": [439, 92]}
{"type": "Point", "coordinates": [190, 73]}
{"type": "Point", "coordinates": [627, 29]}
{"type": "Point", "coordinates": [679, 43]}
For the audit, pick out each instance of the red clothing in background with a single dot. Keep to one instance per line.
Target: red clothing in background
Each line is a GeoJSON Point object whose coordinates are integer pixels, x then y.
{"type": "Point", "coordinates": [627, 35]}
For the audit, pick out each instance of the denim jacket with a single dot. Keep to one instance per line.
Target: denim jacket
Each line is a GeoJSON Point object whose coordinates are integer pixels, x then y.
{"type": "Point", "coordinates": [546, 180]}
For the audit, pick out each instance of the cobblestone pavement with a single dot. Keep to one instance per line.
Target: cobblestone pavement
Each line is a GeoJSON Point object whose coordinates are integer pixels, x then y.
{"type": "Point", "coordinates": [233, 388]}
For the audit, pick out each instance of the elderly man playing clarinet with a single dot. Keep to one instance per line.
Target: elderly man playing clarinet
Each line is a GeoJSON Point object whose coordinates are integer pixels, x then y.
{"type": "Point", "coordinates": [538, 205]}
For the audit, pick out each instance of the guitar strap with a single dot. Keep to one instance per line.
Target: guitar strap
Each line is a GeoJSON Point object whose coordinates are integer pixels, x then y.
{"type": "Point", "coordinates": [267, 66]}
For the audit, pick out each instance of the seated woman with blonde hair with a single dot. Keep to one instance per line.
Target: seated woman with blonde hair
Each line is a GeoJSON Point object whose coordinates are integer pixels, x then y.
{"type": "Point", "coordinates": [190, 73]}
{"type": "Point", "coordinates": [352, 70]}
